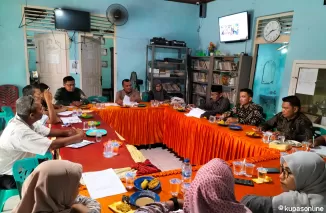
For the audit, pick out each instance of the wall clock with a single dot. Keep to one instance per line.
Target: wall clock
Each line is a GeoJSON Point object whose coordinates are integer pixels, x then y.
{"type": "Point", "coordinates": [272, 31]}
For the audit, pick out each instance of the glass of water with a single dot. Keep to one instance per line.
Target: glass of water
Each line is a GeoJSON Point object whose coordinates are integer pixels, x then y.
{"type": "Point", "coordinates": [107, 152]}
{"type": "Point", "coordinates": [98, 137]}
{"type": "Point", "coordinates": [237, 167]}
{"type": "Point", "coordinates": [85, 125]}
{"type": "Point", "coordinates": [130, 178]}
{"type": "Point", "coordinates": [79, 112]}
{"type": "Point", "coordinates": [74, 113]}
{"type": "Point", "coordinates": [305, 146]}
{"type": "Point", "coordinates": [175, 186]}
{"type": "Point", "coordinates": [212, 119]}
{"type": "Point", "coordinates": [249, 169]}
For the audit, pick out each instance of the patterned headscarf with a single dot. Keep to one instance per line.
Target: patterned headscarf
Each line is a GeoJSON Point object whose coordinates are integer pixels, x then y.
{"type": "Point", "coordinates": [213, 191]}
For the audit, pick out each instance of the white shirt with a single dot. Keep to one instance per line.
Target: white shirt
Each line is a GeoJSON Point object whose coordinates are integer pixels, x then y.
{"type": "Point", "coordinates": [44, 119]}
{"type": "Point", "coordinates": [19, 141]}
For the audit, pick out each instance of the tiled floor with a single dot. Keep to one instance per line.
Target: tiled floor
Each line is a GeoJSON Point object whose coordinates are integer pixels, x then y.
{"type": "Point", "coordinates": [162, 158]}
{"type": "Point", "coordinates": [11, 203]}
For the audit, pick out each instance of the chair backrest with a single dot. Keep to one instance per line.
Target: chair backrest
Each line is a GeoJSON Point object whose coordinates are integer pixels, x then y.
{"type": "Point", "coordinates": [22, 169]}
{"type": "Point", "coordinates": [9, 114]}
{"type": "Point", "coordinates": [8, 96]}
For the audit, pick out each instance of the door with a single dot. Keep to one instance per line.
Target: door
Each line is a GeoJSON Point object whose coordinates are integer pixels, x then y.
{"type": "Point", "coordinates": [268, 77]}
{"type": "Point", "coordinates": [91, 66]}
{"type": "Point", "coordinates": [51, 59]}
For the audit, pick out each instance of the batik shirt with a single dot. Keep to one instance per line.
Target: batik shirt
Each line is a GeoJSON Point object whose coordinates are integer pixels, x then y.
{"type": "Point", "coordinates": [252, 114]}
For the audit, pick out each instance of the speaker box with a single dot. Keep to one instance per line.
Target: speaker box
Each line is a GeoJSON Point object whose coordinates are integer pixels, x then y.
{"type": "Point", "coordinates": [203, 10]}
{"type": "Point", "coordinates": [324, 2]}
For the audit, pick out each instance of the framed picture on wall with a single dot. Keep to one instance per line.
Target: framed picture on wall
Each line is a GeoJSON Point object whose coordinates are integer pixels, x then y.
{"type": "Point", "coordinates": [104, 51]}
{"type": "Point", "coordinates": [105, 64]}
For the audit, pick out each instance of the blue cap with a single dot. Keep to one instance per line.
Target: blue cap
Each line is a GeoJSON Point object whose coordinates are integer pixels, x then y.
{"type": "Point", "coordinates": [186, 160]}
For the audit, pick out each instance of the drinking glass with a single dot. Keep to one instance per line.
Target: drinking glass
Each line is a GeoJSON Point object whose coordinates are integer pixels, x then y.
{"type": "Point", "coordinates": [85, 125]}
{"type": "Point", "coordinates": [249, 169]}
{"type": "Point", "coordinates": [107, 152]}
{"type": "Point", "coordinates": [266, 138]}
{"type": "Point", "coordinates": [74, 113]}
{"type": "Point", "coordinates": [98, 105]}
{"type": "Point", "coordinates": [103, 105]}
{"type": "Point", "coordinates": [175, 185]}
{"type": "Point", "coordinates": [98, 137]}
{"type": "Point", "coordinates": [212, 119]}
{"type": "Point", "coordinates": [91, 125]}
{"type": "Point", "coordinates": [305, 146]}
{"type": "Point", "coordinates": [237, 167]}
{"type": "Point", "coordinates": [79, 112]}
{"type": "Point", "coordinates": [261, 174]}
{"type": "Point", "coordinates": [281, 138]}
{"type": "Point", "coordinates": [115, 148]}
{"type": "Point", "coordinates": [130, 178]}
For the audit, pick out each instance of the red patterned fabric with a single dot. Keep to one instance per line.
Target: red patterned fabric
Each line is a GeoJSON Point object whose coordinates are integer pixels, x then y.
{"type": "Point", "coordinates": [145, 168]}
{"type": "Point", "coordinates": [8, 96]}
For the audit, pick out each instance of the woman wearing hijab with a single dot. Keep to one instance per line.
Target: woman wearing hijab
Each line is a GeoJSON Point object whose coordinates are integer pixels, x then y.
{"type": "Point", "coordinates": [211, 191]}
{"type": "Point", "coordinates": [53, 188]}
{"type": "Point", "coordinates": [303, 180]}
{"type": "Point", "coordinates": [158, 93]}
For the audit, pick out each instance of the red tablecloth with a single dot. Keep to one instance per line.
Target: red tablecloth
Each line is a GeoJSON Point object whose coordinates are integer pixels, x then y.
{"type": "Point", "coordinates": [91, 156]}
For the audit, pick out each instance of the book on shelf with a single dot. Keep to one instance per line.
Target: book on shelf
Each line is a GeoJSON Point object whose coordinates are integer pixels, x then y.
{"type": "Point", "coordinates": [201, 65]}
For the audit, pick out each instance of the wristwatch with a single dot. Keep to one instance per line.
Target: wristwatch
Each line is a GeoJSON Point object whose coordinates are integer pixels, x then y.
{"type": "Point", "coordinates": [175, 203]}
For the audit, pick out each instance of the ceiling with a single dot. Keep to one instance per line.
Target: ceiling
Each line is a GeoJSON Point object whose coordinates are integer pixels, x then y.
{"type": "Point", "coordinates": [192, 1]}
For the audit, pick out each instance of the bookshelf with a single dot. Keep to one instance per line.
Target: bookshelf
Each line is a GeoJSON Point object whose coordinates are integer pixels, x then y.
{"type": "Point", "coordinates": [231, 72]}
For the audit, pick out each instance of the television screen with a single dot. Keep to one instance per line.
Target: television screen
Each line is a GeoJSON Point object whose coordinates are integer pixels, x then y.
{"type": "Point", "coordinates": [72, 20]}
{"type": "Point", "coordinates": [234, 27]}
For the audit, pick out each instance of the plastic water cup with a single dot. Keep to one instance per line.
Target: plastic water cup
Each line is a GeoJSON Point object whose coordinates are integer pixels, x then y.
{"type": "Point", "coordinates": [85, 125]}
{"type": "Point", "coordinates": [107, 152]}
{"type": "Point", "coordinates": [305, 146]}
{"type": "Point", "coordinates": [237, 167]}
{"type": "Point", "coordinates": [262, 172]}
{"type": "Point", "coordinates": [130, 178]}
{"type": "Point", "coordinates": [175, 186]}
{"type": "Point", "coordinates": [98, 137]}
{"type": "Point", "coordinates": [79, 112]}
{"type": "Point", "coordinates": [74, 113]}
{"type": "Point", "coordinates": [212, 119]}
{"type": "Point", "coordinates": [249, 169]}
{"type": "Point", "coordinates": [103, 105]}
{"type": "Point", "coordinates": [115, 148]}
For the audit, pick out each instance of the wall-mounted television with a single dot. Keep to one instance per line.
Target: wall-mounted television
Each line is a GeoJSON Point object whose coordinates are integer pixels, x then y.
{"type": "Point", "coordinates": [66, 19]}
{"type": "Point", "coordinates": [234, 27]}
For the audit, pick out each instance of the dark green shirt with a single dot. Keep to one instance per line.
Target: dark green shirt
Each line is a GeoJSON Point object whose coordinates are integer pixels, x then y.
{"type": "Point", "coordinates": [63, 97]}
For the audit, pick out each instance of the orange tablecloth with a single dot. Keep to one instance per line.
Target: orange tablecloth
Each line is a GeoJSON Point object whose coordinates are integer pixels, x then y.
{"type": "Point", "coordinates": [266, 189]}
{"type": "Point", "coordinates": [91, 156]}
{"type": "Point", "coordinates": [193, 138]}
{"type": "Point", "coordinates": [139, 126]}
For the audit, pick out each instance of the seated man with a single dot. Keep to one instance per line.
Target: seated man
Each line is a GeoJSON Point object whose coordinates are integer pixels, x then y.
{"type": "Point", "coordinates": [218, 104]}
{"type": "Point", "coordinates": [246, 112]}
{"type": "Point", "coordinates": [291, 123]}
{"type": "Point", "coordinates": [69, 94]}
{"type": "Point", "coordinates": [132, 95]}
{"type": "Point", "coordinates": [49, 113]}
{"type": "Point", "coordinates": [24, 137]}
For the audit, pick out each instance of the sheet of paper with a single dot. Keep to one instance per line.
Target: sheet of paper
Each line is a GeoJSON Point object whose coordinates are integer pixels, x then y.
{"type": "Point", "coordinates": [74, 66]}
{"type": "Point", "coordinates": [126, 100]}
{"type": "Point", "coordinates": [70, 120]}
{"type": "Point", "coordinates": [196, 112]}
{"type": "Point", "coordinates": [81, 144]}
{"type": "Point", "coordinates": [321, 150]}
{"type": "Point", "coordinates": [66, 113]}
{"type": "Point", "coordinates": [103, 183]}
{"type": "Point", "coordinates": [307, 81]}
{"type": "Point", "coordinates": [53, 58]}
{"type": "Point", "coordinates": [111, 104]}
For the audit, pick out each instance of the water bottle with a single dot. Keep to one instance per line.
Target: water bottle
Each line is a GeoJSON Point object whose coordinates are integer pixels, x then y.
{"type": "Point", "coordinates": [186, 174]}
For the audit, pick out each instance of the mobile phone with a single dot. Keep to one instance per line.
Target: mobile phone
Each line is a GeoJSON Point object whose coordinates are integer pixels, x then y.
{"type": "Point", "coordinates": [273, 170]}
{"type": "Point", "coordinates": [243, 182]}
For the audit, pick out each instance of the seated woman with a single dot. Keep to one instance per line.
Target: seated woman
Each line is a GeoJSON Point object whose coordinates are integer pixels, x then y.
{"type": "Point", "coordinates": [246, 112]}
{"type": "Point", "coordinates": [158, 93]}
{"type": "Point", "coordinates": [53, 187]}
{"type": "Point", "coordinates": [303, 181]}
{"type": "Point", "coordinates": [211, 191]}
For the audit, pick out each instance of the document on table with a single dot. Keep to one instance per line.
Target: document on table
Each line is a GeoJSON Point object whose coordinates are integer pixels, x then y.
{"type": "Point", "coordinates": [70, 120]}
{"type": "Point", "coordinates": [103, 183]}
{"type": "Point", "coordinates": [81, 144]}
{"type": "Point", "coordinates": [111, 104]}
{"type": "Point", "coordinates": [320, 150]}
{"type": "Point", "coordinates": [126, 100]}
{"type": "Point", "coordinates": [66, 113]}
{"type": "Point", "coordinates": [196, 112]}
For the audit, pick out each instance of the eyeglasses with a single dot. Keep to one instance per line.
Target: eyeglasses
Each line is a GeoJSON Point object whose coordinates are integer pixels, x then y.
{"type": "Point", "coordinates": [285, 171]}
{"type": "Point", "coordinates": [32, 103]}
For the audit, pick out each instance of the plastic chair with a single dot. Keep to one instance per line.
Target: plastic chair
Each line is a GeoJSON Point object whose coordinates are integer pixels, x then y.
{"type": "Point", "coordinates": [8, 96]}
{"type": "Point", "coordinates": [47, 156]}
{"type": "Point", "coordinates": [5, 194]}
{"type": "Point", "coordinates": [98, 99]}
{"type": "Point", "coordinates": [22, 169]}
{"type": "Point", "coordinates": [319, 130]}
{"type": "Point", "coordinates": [8, 113]}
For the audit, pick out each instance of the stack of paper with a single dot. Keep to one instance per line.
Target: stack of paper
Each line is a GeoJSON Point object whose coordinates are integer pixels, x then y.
{"type": "Point", "coordinates": [126, 101]}
{"type": "Point", "coordinates": [81, 144]}
{"type": "Point", "coordinates": [70, 120]}
{"type": "Point", "coordinates": [66, 113]}
{"type": "Point", "coordinates": [195, 112]}
{"type": "Point", "coordinates": [103, 183]}
{"type": "Point", "coordinates": [111, 104]}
